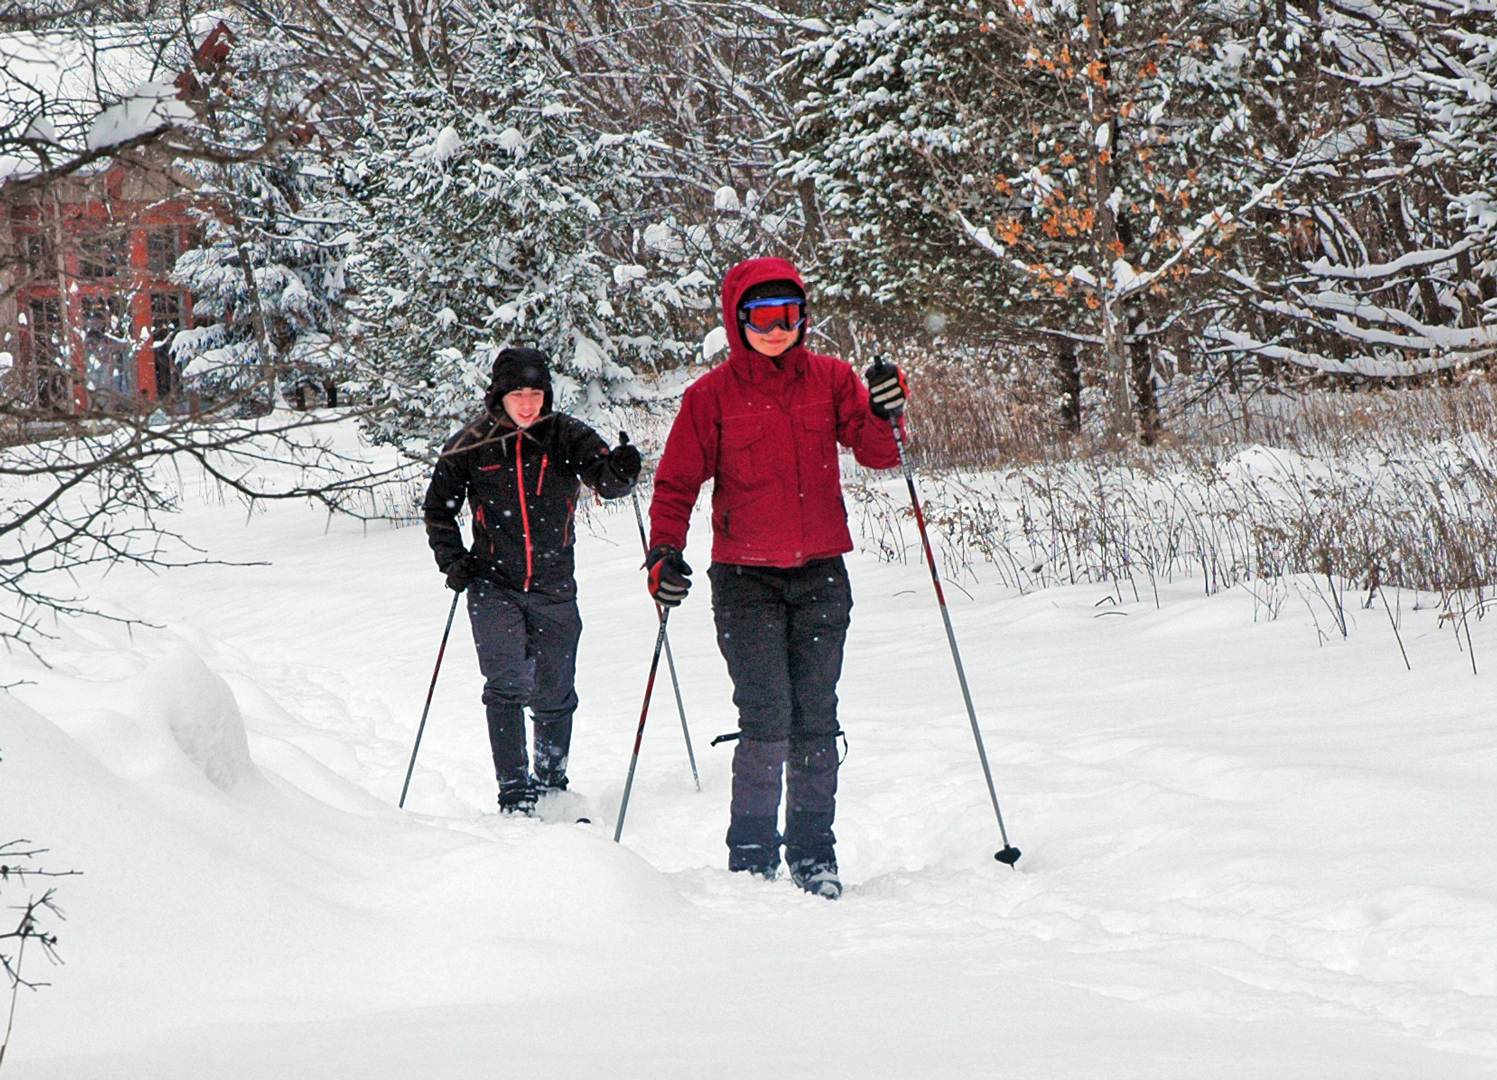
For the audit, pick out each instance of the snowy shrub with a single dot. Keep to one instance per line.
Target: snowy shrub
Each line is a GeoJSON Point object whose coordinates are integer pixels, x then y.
{"type": "Point", "coordinates": [1363, 493]}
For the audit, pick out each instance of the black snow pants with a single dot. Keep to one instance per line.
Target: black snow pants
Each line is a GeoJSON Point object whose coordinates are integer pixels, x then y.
{"type": "Point", "coordinates": [527, 651]}
{"type": "Point", "coordinates": [781, 631]}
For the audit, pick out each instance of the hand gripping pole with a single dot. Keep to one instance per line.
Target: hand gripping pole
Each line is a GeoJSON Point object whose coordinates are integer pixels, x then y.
{"type": "Point", "coordinates": [670, 660]}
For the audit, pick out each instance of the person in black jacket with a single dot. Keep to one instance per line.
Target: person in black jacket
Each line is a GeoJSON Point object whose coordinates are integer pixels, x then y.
{"type": "Point", "coordinates": [520, 468]}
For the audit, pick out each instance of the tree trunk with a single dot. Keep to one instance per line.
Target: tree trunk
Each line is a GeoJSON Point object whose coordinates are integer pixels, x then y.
{"type": "Point", "coordinates": [1119, 412]}
{"type": "Point", "coordinates": [1145, 401]}
{"type": "Point", "coordinates": [1068, 378]}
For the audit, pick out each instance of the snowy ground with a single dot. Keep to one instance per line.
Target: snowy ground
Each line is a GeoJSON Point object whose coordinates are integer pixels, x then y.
{"type": "Point", "coordinates": [1245, 854]}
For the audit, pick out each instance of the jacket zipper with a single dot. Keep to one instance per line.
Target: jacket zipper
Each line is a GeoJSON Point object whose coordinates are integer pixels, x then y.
{"type": "Point", "coordinates": [542, 480]}
{"type": "Point", "coordinates": [524, 512]}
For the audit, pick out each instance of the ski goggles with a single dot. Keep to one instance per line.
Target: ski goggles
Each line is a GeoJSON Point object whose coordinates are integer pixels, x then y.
{"type": "Point", "coordinates": [773, 313]}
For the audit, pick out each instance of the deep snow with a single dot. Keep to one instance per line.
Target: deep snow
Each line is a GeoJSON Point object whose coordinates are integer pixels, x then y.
{"type": "Point", "coordinates": [1246, 854]}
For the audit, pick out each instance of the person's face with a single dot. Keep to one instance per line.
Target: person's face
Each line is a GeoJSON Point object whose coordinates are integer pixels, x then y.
{"type": "Point", "coordinates": [772, 343]}
{"type": "Point", "coordinates": [523, 406]}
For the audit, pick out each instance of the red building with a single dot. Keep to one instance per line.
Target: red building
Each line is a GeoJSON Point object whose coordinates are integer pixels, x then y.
{"type": "Point", "coordinates": [87, 306]}
{"type": "Point", "coordinates": [90, 322]}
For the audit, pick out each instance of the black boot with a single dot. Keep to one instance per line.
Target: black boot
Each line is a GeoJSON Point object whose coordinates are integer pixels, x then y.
{"type": "Point", "coordinates": [810, 852]}
{"type": "Point", "coordinates": [753, 841]}
{"type": "Point", "coordinates": [811, 804]}
{"type": "Point", "coordinates": [511, 767]}
{"type": "Point", "coordinates": [754, 846]}
{"type": "Point", "coordinates": [517, 797]}
{"type": "Point", "coordinates": [817, 876]}
{"type": "Point", "coordinates": [552, 741]}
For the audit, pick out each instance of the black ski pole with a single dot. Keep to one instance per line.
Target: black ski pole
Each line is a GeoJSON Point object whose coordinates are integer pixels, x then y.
{"type": "Point", "coordinates": [1009, 854]}
{"type": "Point", "coordinates": [670, 660]}
{"type": "Point", "coordinates": [618, 830]}
{"type": "Point", "coordinates": [429, 692]}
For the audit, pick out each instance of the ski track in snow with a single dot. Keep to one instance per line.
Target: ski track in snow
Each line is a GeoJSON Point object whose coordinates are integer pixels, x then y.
{"type": "Point", "coordinates": [1226, 827]}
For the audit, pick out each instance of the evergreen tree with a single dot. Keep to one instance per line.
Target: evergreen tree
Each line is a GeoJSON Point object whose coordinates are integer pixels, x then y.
{"type": "Point", "coordinates": [1045, 164]}
{"type": "Point", "coordinates": [496, 216]}
{"type": "Point", "coordinates": [269, 279]}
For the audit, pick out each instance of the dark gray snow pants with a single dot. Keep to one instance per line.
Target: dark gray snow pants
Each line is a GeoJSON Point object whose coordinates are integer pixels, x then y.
{"type": "Point", "coordinates": [781, 631]}
{"type": "Point", "coordinates": [527, 651]}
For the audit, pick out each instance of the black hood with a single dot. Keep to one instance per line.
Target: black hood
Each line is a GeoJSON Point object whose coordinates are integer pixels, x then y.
{"type": "Point", "coordinates": [518, 369]}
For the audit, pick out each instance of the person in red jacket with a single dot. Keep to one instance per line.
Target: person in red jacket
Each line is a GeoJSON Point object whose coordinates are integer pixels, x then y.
{"type": "Point", "coordinates": [765, 427]}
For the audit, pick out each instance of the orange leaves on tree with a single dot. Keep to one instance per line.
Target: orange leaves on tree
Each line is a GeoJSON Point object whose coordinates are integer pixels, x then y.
{"type": "Point", "coordinates": [1009, 230]}
{"type": "Point", "coordinates": [1094, 72]}
{"type": "Point", "coordinates": [1149, 70]}
{"type": "Point", "coordinates": [1066, 219]}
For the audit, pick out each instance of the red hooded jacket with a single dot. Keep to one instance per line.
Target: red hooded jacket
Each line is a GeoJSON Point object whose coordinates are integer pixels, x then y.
{"type": "Point", "coordinates": [766, 433]}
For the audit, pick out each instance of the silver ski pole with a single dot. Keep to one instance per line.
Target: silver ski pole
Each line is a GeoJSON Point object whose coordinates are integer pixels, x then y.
{"type": "Point", "coordinates": [1009, 854]}
{"type": "Point", "coordinates": [429, 692]}
{"type": "Point", "coordinates": [618, 830]}
{"type": "Point", "coordinates": [670, 660]}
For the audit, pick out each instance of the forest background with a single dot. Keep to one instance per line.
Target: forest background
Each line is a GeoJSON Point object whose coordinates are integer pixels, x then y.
{"type": "Point", "coordinates": [1067, 218]}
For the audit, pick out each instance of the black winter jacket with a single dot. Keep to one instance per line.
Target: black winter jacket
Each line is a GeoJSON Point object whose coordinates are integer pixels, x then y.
{"type": "Point", "coordinates": [521, 488]}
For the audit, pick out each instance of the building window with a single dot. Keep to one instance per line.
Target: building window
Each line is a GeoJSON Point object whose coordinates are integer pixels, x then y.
{"type": "Point", "coordinates": [35, 256]}
{"type": "Point", "coordinates": [166, 320]}
{"type": "Point", "coordinates": [163, 246]}
{"type": "Point", "coordinates": [52, 384]}
{"type": "Point", "coordinates": [102, 257]}
{"type": "Point", "coordinates": [106, 351]}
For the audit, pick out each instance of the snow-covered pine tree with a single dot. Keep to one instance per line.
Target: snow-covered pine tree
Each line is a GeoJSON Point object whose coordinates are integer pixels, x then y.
{"type": "Point", "coordinates": [703, 79]}
{"type": "Point", "coordinates": [498, 214]}
{"type": "Point", "coordinates": [1042, 164]}
{"type": "Point", "coordinates": [269, 279]}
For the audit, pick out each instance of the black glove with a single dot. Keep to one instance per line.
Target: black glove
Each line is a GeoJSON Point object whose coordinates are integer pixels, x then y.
{"type": "Point", "coordinates": [460, 574]}
{"type": "Point", "coordinates": [886, 389]}
{"type": "Point", "coordinates": [669, 577]}
{"type": "Point", "coordinates": [624, 460]}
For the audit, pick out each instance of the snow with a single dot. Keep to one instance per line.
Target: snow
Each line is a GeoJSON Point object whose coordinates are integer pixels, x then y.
{"type": "Point", "coordinates": [54, 84]}
{"type": "Point", "coordinates": [714, 342]}
{"type": "Point", "coordinates": [151, 107]}
{"type": "Point", "coordinates": [443, 145]}
{"type": "Point", "coordinates": [625, 274]}
{"type": "Point", "coordinates": [511, 140]}
{"type": "Point", "coordinates": [1245, 855]}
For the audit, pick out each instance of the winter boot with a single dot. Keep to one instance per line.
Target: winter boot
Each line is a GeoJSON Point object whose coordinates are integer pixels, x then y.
{"type": "Point", "coordinates": [817, 876]}
{"type": "Point", "coordinates": [518, 797]}
{"type": "Point", "coordinates": [810, 806]}
{"type": "Point", "coordinates": [753, 840]}
{"type": "Point", "coordinates": [507, 742]}
{"type": "Point", "coordinates": [810, 852]}
{"type": "Point", "coordinates": [754, 846]}
{"type": "Point", "coordinates": [552, 741]}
